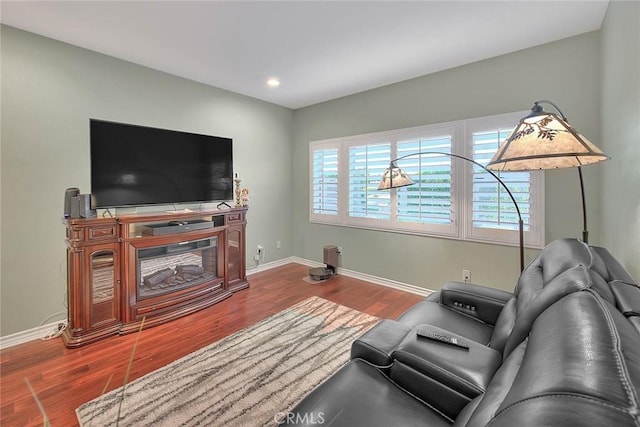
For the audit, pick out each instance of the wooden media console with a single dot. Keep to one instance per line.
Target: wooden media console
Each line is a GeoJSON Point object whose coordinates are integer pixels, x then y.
{"type": "Point", "coordinates": [156, 266]}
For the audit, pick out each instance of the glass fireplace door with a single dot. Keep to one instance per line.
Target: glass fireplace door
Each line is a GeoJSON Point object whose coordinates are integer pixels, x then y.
{"type": "Point", "coordinates": [168, 268]}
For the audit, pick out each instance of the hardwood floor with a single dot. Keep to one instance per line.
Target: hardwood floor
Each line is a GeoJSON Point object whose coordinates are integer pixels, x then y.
{"type": "Point", "coordinates": [64, 379]}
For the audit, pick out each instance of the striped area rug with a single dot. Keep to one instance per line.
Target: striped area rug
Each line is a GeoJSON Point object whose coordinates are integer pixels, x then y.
{"type": "Point", "coordinates": [245, 379]}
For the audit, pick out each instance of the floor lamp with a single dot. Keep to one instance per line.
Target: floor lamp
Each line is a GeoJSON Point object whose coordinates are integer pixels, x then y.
{"type": "Point", "coordinates": [543, 140]}
{"type": "Point", "coordinates": [395, 177]}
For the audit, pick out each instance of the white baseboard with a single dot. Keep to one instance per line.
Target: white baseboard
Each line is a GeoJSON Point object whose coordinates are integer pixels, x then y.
{"type": "Point", "coordinates": [40, 331]}
{"type": "Point", "coordinates": [386, 282]}
{"type": "Point", "coordinates": [28, 335]}
{"type": "Point", "coordinates": [349, 273]}
{"type": "Point", "coordinates": [257, 269]}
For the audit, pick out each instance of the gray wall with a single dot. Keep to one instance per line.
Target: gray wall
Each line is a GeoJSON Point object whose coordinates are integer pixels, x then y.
{"type": "Point", "coordinates": [566, 72]}
{"type": "Point", "coordinates": [49, 92]}
{"type": "Point", "coordinates": [621, 133]}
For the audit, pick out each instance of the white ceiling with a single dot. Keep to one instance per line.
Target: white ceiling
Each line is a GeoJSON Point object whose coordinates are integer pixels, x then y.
{"type": "Point", "coordinates": [319, 50]}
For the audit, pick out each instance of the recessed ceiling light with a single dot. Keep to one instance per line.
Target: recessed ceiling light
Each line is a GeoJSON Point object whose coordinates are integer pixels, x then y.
{"type": "Point", "coordinates": [273, 82]}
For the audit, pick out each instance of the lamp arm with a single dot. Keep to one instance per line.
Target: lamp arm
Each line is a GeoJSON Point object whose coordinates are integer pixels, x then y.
{"type": "Point", "coordinates": [513, 199]}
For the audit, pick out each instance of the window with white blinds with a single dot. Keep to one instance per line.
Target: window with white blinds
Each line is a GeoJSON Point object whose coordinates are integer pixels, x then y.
{"type": "Point", "coordinates": [449, 198]}
{"type": "Point", "coordinates": [492, 205]}
{"type": "Point", "coordinates": [491, 214]}
{"type": "Point", "coordinates": [366, 165]}
{"type": "Point", "coordinates": [429, 199]}
{"type": "Point", "coordinates": [324, 182]}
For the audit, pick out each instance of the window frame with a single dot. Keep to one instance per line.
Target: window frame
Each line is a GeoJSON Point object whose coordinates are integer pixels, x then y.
{"type": "Point", "coordinates": [534, 237]}
{"type": "Point", "coordinates": [429, 132]}
{"type": "Point", "coordinates": [355, 221]}
{"type": "Point", "coordinates": [324, 218]}
{"type": "Point", "coordinates": [461, 226]}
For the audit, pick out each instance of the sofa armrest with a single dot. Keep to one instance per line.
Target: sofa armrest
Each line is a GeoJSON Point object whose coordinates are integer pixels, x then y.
{"type": "Point", "coordinates": [446, 376]}
{"type": "Point", "coordinates": [467, 370]}
{"type": "Point", "coordinates": [378, 343]}
{"type": "Point", "coordinates": [477, 301]}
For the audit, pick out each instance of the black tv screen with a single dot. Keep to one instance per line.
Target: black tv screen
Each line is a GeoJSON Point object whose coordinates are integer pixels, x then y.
{"type": "Point", "coordinates": [135, 165]}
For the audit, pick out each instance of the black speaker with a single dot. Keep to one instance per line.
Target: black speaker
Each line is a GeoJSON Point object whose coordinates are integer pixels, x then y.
{"type": "Point", "coordinates": [69, 194]}
{"type": "Point", "coordinates": [85, 206]}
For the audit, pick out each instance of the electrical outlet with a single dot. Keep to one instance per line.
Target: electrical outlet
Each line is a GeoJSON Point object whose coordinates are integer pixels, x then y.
{"type": "Point", "coordinates": [278, 245]}
{"type": "Point", "coordinates": [256, 257]}
{"type": "Point", "coordinates": [259, 249]}
{"type": "Point", "coordinates": [466, 276]}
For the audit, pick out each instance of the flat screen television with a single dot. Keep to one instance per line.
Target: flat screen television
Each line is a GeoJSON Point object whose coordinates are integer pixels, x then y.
{"type": "Point", "coordinates": [136, 165]}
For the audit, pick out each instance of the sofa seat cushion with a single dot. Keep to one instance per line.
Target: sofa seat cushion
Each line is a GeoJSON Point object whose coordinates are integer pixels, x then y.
{"type": "Point", "coordinates": [561, 411]}
{"type": "Point", "coordinates": [431, 312]}
{"type": "Point", "coordinates": [360, 395]}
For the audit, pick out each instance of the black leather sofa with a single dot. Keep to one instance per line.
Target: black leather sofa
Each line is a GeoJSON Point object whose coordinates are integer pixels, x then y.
{"type": "Point", "coordinates": [562, 350]}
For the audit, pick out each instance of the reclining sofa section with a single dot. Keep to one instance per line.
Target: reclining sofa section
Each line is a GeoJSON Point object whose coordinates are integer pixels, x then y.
{"type": "Point", "coordinates": [562, 350]}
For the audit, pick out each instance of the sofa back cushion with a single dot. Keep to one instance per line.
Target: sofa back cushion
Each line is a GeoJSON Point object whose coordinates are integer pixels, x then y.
{"type": "Point", "coordinates": [574, 279]}
{"type": "Point", "coordinates": [624, 288]}
{"type": "Point", "coordinates": [557, 257]}
{"type": "Point", "coordinates": [613, 269]}
{"type": "Point", "coordinates": [531, 297]}
{"type": "Point", "coordinates": [579, 366]}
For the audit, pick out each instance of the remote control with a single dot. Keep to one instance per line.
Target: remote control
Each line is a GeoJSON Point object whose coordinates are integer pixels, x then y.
{"type": "Point", "coordinates": [442, 338]}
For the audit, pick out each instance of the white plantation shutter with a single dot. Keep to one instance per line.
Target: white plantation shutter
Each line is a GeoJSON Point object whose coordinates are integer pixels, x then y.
{"type": "Point", "coordinates": [367, 163]}
{"type": "Point", "coordinates": [451, 198]}
{"type": "Point", "coordinates": [429, 199]}
{"type": "Point", "coordinates": [490, 215]}
{"type": "Point", "coordinates": [325, 183]}
{"type": "Point", "coordinates": [492, 206]}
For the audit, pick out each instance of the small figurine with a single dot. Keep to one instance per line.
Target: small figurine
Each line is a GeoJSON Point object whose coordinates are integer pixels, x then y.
{"type": "Point", "coordinates": [244, 196]}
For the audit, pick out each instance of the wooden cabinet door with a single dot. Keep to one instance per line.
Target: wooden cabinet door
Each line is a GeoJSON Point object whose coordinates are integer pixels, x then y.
{"type": "Point", "coordinates": [94, 293]}
{"type": "Point", "coordinates": [236, 259]}
{"type": "Point", "coordinates": [103, 280]}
